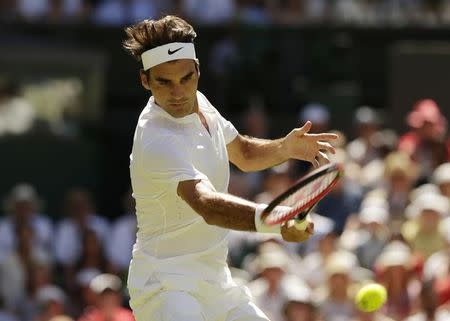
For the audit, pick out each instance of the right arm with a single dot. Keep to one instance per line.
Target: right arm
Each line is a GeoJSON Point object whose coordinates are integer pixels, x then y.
{"type": "Point", "coordinates": [230, 211]}
{"type": "Point", "coordinates": [216, 208]}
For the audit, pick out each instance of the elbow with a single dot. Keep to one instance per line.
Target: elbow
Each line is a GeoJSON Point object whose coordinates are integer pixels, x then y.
{"type": "Point", "coordinates": [245, 158]}
{"type": "Point", "coordinates": [202, 208]}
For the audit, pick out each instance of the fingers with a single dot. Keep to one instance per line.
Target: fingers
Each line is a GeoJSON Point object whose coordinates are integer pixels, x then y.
{"type": "Point", "coordinates": [304, 129]}
{"type": "Point", "coordinates": [310, 228]}
{"type": "Point", "coordinates": [325, 136]}
{"type": "Point", "coordinates": [322, 158]}
{"type": "Point", "coordinates": [327, 147]}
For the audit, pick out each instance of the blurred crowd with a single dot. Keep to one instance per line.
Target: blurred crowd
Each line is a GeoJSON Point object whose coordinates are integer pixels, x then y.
{"type": "Point", "coordinates": [216, 12]}
{"type": "Point", "coordinates": [387, 221]}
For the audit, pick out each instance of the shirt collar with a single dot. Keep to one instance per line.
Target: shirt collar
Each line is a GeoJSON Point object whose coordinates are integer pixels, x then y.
{"type": "Point", "coordinates": [155, 109]}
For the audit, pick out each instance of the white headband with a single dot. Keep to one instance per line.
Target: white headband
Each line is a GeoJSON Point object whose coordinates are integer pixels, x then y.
{"type": "Point", "coordinates": [168, 52]}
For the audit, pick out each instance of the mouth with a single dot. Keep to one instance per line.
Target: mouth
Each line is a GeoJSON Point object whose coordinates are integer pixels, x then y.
{"type": "Point", "coordinates": [178, 104]}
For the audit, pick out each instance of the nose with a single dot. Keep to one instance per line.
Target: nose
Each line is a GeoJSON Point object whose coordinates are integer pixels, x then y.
{"type": "Point", "coordinates": [176, 91]}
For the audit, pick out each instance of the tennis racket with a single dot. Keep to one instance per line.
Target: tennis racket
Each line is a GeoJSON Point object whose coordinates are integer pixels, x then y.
{"type": "Point", "coordinates": [302, 196]}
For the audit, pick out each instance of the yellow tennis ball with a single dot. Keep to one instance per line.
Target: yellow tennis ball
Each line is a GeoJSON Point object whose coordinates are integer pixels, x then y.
{"type": "Point", "coordinates": [371, 297]}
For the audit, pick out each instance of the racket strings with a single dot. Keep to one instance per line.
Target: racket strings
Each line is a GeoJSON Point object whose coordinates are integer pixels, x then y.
{"type": "Point", "coordinates": [307, 193]}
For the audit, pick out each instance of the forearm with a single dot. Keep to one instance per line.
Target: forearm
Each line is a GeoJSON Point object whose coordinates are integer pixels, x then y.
{"type": "Point", "coordinates": [260, 154]}
{"type": "Point", "coordinates": [226, 211]}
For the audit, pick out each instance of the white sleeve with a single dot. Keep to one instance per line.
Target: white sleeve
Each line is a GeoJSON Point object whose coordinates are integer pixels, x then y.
{"type": "Point", "coordinates": [228, 129]}
{"type": "Point", "coordinates": [167, 160]}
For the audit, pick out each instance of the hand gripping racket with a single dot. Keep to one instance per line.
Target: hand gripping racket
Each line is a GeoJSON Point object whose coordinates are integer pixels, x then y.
{"type": "Point", "coordinates": [302, 196]}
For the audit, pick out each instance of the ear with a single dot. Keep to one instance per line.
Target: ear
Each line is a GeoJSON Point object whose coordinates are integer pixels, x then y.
{"type": "Point", "coordinates": [197, 67]}
{"type": "Point", "coordinates": [145, 79]}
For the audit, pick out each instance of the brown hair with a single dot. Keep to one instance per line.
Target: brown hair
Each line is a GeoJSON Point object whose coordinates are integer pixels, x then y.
{"type": "Point", "coordinates": [149, 34]}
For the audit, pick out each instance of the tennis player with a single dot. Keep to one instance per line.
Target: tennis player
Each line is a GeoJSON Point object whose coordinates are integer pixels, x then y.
{"type": "Point", "coordinates": [180, 171]}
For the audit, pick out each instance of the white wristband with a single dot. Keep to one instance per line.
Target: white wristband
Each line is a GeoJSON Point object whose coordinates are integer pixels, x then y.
{"type": "Point", "coordinates": [260, 226]}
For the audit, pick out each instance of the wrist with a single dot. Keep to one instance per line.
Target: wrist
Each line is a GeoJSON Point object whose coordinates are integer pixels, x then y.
{"type": "Point", "coordinates": [259, 224]}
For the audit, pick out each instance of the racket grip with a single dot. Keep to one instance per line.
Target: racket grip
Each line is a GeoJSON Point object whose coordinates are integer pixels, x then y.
{"type": "Point", "coordinates": [301, 224]}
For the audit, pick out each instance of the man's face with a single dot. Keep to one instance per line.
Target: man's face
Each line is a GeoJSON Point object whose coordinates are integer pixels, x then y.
{"type": "Point", "coordinates": [174, 86]}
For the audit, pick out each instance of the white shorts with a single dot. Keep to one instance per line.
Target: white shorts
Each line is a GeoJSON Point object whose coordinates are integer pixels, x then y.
{"type": "Point", "coordinates": [181, 305]}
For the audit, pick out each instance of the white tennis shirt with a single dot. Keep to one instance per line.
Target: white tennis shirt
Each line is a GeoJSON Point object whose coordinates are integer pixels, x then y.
{"type": "Point", "coordinates": [173, 241]}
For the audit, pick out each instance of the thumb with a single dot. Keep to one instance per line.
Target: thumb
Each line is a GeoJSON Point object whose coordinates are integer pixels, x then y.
{"type": "Point", "coordinates": [303, 130]}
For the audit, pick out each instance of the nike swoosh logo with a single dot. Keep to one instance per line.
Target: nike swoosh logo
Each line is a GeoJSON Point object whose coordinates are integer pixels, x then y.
{"type": "Point", "coordinates": [171, 52]}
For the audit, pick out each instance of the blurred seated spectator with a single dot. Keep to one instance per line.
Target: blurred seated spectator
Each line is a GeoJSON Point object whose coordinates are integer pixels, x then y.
{"type": "Point", "coordinates": [210, 12]}
{"type": "Point", "coordinates": [22, 206]}
{"type": "Point", "coordinates": [272, 264]}
{"type": "Point", "coordinates": [253, 12]}
{"type": "Point", "coordinates": [312, 268]}
{"type": "Point", "coordinates": [17, 266]}
{"type": "Point", "coordinates": [17, 116]}
{"type": "Point", "coordinates": [32, 10]}
{"type": "Point", "coordinates": [428, 303]}
{"type": "Point", "coordinates": [40, 276]}
{"type": "Point", "coordinates": [108, 300]}
{"type": "Point", "coordinates": [80, 216]}
{"type": "Point", "coordinates": [81, 295]}
{"type": "Point", "coordinates": [299, 304]}
{"type": "Point", "coordinates": [394, 269]}
{"type": "Point", "coordinates": [441, 177]}
{"type": "Point", "coordinates": [374, 233]}
{"type": "Point", "coordinates": [318, 114]}
{"type": "Point", "coordinates": [355, 12]}
{"type": "Point", "coordinates": [123, 12]}
{"type": "Point", "coordinates": [123, 235]}
{"type": "Point", "coordinates": [51, 302]}
{"type": "Point", "coordinates": [276, 181]}
{"type": "Point", "coordinates": [400, 175]}
{"type": "Point", "coordinates": [92, 253]}
{"type": "Point", "coordinates": [426, 142]}
{"type": "Point", "coordinates": [337, 305]}
{"type": "Point", "coordinates": [422, 230]}
{"type": "Point", "coordinates": [367, 123]}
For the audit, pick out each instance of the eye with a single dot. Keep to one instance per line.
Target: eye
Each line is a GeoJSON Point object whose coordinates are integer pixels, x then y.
{"type": "Point", "coordinates": [163, 82]}
{"type": "Point", "coordinates": [186, 79]}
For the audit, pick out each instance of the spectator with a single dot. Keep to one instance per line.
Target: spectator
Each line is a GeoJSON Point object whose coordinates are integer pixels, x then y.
{"type": "Point", "coordinates": [81, 295]}
{"type": "Point", "coordinates": [337, 305]}
{"type": "Point", "coordinates": [122, 12]}
{"type": "Point", "coordinates": [313, 265]}
{"type": "Point", "coordinates": [210, 12]}
{"type": "Point", "coordinates": [22, 207]}
{"type": "Point", "coordinates": [441, 177]}
{"type": "Point", "coordinates": [39, 277]}
{"type": "Point", "coordinates": [107, 289]}
{"type": "Point", "coordinates": [422, 231]}
{"type": "Point", "coordinates": [17, 266]}
{"type": "Point", "coordinates": [394, 269]}
{"type": "Point", "coordinates": [123, 236]}
{"type": "Point", "coordinates": [272, 265]}
{"type": "Point", "coordinates": [362, 150]}
{"type": "Point", "coordinates": [426, 143]}
{"type": "Point", "coordinates": [299, 304]}
{"type": "Point", "coordinates": [318, 114]}
{"type": "Point", "coordinates": [374, 233]}
{"type": "Point", "coordinates": [51, 303]}
{"type": "Point", "coordinates": [80, 217]}
{"type": "Point", "coordinates": [400, 174]}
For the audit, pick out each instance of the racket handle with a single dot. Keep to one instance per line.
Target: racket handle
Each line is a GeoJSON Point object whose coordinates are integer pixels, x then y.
{"type": "Point", "coordinates": [301, 225]}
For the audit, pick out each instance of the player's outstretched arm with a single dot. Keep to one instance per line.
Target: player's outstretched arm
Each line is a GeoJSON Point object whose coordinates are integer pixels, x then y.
{"type": "Point", "coordinates": [230, 211]}
{"type": "Point", "coordinates": [253, 154]}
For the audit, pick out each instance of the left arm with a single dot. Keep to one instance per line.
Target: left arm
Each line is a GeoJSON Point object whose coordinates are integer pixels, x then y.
{"type": "Point", "coordinates": [254, 154]}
